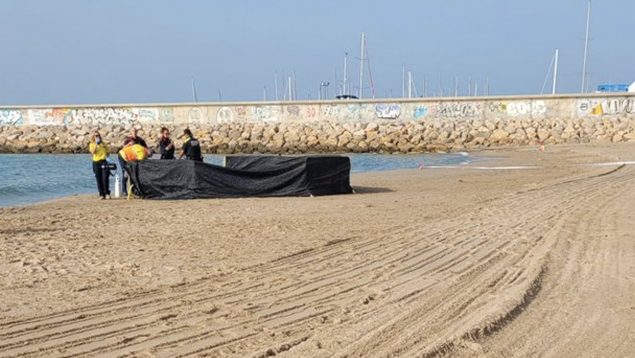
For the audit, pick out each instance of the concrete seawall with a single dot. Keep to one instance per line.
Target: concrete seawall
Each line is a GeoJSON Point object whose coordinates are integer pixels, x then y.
{"type": "Point", "coordinates": [416, 125]}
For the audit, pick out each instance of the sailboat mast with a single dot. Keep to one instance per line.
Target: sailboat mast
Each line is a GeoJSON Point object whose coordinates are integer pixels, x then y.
{"type": "Point", "coordinates": [456, 86]}
{"type": "Point", "coordinates": [403, 81]}
{"type": "Point", "coordinates": [586, 49]}
{"type": "Point", "coordinates": [345, 83]}
{"type": "Point", "coordinates": [361, 69]}
{"type": "Point", "coordinates": [194, 96]}
{"type": "Point", "coordinates": [425, 90]}
{"type": "Point", "coordinates": [555, 72]}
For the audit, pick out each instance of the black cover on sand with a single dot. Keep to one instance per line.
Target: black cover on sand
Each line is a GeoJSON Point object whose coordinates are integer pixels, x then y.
{"type": "Point", "coordinates": [243, 176]}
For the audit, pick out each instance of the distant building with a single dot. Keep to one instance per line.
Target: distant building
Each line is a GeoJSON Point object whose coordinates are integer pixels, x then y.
{"type": "Point", "coordinates": [613, 88]}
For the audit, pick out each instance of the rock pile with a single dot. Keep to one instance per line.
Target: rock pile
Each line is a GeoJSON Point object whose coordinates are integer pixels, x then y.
{"type": "Point", "coordinates": [325, 137]}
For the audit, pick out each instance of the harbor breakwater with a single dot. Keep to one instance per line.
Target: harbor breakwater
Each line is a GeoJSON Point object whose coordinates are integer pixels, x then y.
{"type": "Point", "coordinates": [383, 126]}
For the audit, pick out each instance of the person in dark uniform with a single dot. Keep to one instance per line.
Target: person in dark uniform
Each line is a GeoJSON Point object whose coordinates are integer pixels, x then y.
{"type": "Point", "coordinates": [166, 145]}
{"type": "Point", "coordinates": [191, 147]}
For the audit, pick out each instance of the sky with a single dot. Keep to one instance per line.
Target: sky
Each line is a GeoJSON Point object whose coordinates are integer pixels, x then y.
{"type": "Point", "coordinates": [142, 51]}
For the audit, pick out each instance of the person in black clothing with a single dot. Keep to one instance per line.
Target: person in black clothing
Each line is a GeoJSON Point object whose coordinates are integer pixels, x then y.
{"type": "Point", "coordinates": [135, 138]}
{"type": "Point", "coordinates": [166, 145]}
{"type": "Point", "coordinates": [191, 147]}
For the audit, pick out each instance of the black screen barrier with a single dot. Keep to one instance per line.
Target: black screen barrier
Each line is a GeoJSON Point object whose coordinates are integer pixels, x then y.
{"type": "Point", "coordinates": [242, 176]}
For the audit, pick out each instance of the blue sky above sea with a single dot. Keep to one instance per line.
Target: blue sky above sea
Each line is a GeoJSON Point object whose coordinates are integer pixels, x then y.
{"type": "Point", "coordinates": [117, 51]}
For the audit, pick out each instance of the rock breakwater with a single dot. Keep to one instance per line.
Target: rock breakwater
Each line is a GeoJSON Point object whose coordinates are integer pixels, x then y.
{"type": "Point", "coordinates": [430, 135]}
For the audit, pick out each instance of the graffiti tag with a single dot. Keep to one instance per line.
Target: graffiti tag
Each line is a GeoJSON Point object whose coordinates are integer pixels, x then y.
{"type": "Point", "coordinates": [387, 111]}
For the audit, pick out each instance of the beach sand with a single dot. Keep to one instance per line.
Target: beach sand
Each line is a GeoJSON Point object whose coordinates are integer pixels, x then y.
{"type": "Point", "coordinates": [432, 262]}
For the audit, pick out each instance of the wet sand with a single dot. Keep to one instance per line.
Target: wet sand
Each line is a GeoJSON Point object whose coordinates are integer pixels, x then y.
{"type": "Point", "coordinates": [432, 262]}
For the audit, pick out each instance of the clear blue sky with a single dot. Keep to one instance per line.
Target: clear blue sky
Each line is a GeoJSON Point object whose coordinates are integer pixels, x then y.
{"type": "Point", "coordinates": [114, 51]}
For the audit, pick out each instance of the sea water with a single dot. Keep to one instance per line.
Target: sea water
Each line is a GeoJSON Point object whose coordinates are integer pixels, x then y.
{"type": "Point", "coordinates": [31, 178]}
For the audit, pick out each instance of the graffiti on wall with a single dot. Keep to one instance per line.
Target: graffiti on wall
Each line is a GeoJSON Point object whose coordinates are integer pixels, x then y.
{"type": "Point", "coordinates": [310, 112]}
{"type": "Point", "coordinates": [600, 107]}
{"type": "Point", "coordinates": [166, 115]}
{"type": "Point", "coordinates": [11, 117]}
{"type": "Point", "coordinates": [195, 114]}
{"type": "Point", "coordinates": [225, 115]}
{"type": "Point", "coordinates": [265, 113]}
{"type": "Point", "coordinates": [294, 111]}
{"type": "Point", "coordinates": [146, 114]}
{"type": "Point", "coordinates": [241, 111]}
{"type": "Point", "coordinates": [41, 117]}
{"type": "Point", "coordinates": [497, 107]}
{"type": "Point", "coordinates": [387, 110]}
{"type": "Point", "coordinates": [524, 108]}
{"type": "Point", "coordinates": [101, 116]}
{"type": "Point", "coordinates": [336, 111]}
{"type": "Point", "coordinates": [353, 112]}
{"type": "Point", "coordinates": [457, 110]}
{"type": "Point", "coordinates": [330, 110]}
{"type": "Point", "coordinates": [420, 111]}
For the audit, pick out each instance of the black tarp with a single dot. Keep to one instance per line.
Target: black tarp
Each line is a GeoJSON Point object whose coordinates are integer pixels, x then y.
{"type": "Point", "coordinates": [243, 176]}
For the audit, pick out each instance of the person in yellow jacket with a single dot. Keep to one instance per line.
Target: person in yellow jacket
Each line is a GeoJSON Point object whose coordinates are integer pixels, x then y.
{"type": "Point", "coordinates": [100, 151]}
{"type": "Point", "coordinates": [133, 152]}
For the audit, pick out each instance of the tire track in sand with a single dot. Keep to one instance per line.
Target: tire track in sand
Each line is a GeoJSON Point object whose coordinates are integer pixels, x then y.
{"type": "Point", "coordinates": [336, 290]}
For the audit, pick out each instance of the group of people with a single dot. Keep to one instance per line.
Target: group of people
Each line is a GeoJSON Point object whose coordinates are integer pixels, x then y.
{"type": "Point", "coordinates": [135, 148]}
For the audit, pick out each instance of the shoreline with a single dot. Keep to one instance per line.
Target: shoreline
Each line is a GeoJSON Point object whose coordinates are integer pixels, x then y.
{"type": "Point", "coordinates": [479, 160]}
{"type": "Point", "coordinates": [360, 163]}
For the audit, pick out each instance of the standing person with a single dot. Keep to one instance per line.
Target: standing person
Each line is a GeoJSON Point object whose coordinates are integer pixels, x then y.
{"type": "Point", "coordinates": [166, 145]}
{"type": "Point", "coordinates": [132, 152]}
{"type": "Point", "coordinates": [135, 139]}
{"type": "Point", "coordinates": [99, 150]}
{"type": "Point", "coordinates": [191, 147]}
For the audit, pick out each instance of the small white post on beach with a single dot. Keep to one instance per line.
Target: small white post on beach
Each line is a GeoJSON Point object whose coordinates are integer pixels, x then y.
{"type": "Point", "coordinates": [117, 186]}
{"type": "Point", "coordinates": [555, 73]}
{"type": "Point", "coordinates": [409, 84]}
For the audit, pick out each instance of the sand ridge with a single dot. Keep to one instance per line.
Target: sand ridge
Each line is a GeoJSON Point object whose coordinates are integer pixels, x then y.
{"type": "Point", "coordinates": [419, 263]}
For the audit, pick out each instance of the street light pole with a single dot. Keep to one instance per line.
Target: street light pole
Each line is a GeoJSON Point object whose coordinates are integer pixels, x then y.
{"type": "Point", "coordinates": [326, 93]}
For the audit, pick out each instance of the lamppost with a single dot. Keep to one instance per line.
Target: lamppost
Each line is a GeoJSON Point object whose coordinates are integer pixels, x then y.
{"type": "Point", "coordinates": [326, 90]}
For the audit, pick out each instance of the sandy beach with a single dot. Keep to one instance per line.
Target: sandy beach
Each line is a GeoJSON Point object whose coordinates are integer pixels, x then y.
{"type": "Point", "coordinates": [432, 262]}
